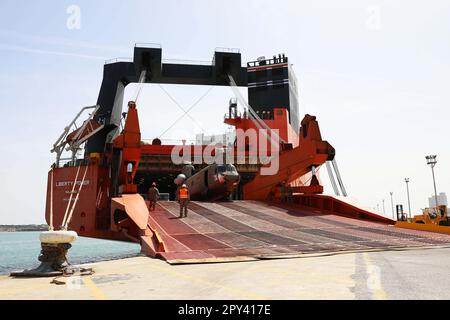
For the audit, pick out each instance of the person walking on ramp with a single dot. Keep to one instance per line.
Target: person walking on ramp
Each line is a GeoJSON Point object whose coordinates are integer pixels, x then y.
{"type": "Point", "coordinates": [183, 200]}
{"type": "Point", "coordinates": [153, 196]}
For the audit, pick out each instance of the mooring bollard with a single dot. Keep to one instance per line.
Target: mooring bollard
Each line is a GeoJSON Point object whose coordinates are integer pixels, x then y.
{"type": "Point", "coordinates": [53, 256]}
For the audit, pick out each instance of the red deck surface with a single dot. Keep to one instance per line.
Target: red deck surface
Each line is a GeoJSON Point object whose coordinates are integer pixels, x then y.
{"type": "Point", "coordinates": [255, 229]}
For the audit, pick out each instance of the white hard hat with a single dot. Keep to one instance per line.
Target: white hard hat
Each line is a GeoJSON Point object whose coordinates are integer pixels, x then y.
{"type": "Point", "coordinates": [184, 185]}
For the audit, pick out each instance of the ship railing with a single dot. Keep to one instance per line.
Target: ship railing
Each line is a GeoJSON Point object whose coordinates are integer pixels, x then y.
{"type": "Point", "coordinates": [61, 145]}
{"type": "Point", "coordinates": [119, 59]}
{"type": "Point", "coordinates": [170, 141]}
{"type": "Point", "coordinates": [232, 115]}
{"type": "Point", "coordinates": [265, 62]}
{"type": "Point", "coordinates": [223, 49]}
{"type": "Point", "coordinates": [228, 50]}
{"type": "Point", "coordinates": [70, 162]}
{"type": "Point", "coordinates": [220, 138]}
{"type": "Point", "coordinates": [264, 115]}
{"type": "Point", "coordinates": [185, 61]}
{"type": "Point", "coordinates": [149, 45]}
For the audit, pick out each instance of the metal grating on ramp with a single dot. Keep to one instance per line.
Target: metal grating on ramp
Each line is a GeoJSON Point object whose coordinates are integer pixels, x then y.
{"type": "Point", "coordinates": [245, 230]}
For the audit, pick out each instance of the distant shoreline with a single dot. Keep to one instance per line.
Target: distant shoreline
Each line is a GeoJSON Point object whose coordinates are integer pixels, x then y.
{"type": "Point", "coordinates": [23, 227]}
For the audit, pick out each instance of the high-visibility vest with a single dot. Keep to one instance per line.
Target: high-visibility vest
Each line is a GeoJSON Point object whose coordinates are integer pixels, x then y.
{"type": "Point", "coordinates": [184, 193]}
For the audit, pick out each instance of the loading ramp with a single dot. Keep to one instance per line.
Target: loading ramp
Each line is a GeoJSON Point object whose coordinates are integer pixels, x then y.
{"type": "Point", "coordinates": [250, 230]}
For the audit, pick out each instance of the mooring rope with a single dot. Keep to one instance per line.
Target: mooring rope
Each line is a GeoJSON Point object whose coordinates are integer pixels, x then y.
{"type": "Point", "coordinates": [71, 194]}
{"type": "Point", "coordinates": [51, 202]}
{"type": "Point", "coordinates": [66, 224]}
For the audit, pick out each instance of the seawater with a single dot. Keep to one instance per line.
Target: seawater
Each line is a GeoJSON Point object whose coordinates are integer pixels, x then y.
{"type": "Point", "coordinates": [20, 250]}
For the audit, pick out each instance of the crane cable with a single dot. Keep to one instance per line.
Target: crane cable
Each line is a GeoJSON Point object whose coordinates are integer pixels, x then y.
{"type": "Point", "coordinates": [140, 85]}
{"type": "Point", "coordinates": [136, 95]}
{"type": "Point", "coordinates": [256, 119]}
{"type": "Point", "coordinates": [190, 108]}
{"type": "Point", "coordinates": [179, 106]}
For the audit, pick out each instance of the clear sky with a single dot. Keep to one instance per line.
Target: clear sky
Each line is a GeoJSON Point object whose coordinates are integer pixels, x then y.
{"type": "Point", "coordinates": [375, 73]}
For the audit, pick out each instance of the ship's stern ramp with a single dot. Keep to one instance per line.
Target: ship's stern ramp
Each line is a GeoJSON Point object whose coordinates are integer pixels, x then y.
{"type": "Point", "coordinates": [253, 230]}
{"type": "Point", "coordinates": [129, 216]}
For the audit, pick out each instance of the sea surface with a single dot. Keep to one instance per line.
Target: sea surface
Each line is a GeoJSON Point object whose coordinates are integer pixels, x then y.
{"type": "Point", "coordinates": [20, 250]}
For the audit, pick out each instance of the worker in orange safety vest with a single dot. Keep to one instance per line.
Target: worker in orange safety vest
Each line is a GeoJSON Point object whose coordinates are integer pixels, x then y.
{"type": "Point", "coordinates": [183, 199]}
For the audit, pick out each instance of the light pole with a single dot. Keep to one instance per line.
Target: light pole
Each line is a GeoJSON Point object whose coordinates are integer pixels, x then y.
{"type": "Point", "coordinates": [431, 161]}
{"type": "Point", "coordinates": [392, 204]}
{"type": "Point", "coordinates": [384, 210]}
{"type": "Point", "coordinates": [407, 192]}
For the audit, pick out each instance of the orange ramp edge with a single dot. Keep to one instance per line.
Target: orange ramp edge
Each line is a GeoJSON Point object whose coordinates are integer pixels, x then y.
{"type": "Point", "coordinates": [136, 208]}
{"type": "Point", "coordinates": [423, 227]}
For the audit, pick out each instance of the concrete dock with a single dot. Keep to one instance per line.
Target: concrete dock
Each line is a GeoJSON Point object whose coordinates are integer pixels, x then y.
{"type": "Point", "coordinates": [407, 274]}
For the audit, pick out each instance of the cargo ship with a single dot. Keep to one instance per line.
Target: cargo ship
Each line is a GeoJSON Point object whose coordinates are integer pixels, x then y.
{"type": "Point", "coordinates": [99, 189]}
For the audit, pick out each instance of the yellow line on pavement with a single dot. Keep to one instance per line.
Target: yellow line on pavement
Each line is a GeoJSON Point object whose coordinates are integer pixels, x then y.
{"type": "Point", "coordinates": [96, 292]}
{"type": "Point", "coordinates": [234, 291]}
{"type": "Point", "coordinates": [374, 279]}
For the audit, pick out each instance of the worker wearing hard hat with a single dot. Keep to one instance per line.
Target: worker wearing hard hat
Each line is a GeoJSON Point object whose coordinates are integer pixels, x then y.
{"type": "Point", "coordinates": [153, 196]}
{"type": "Point", "coordinates": [183, 199]}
